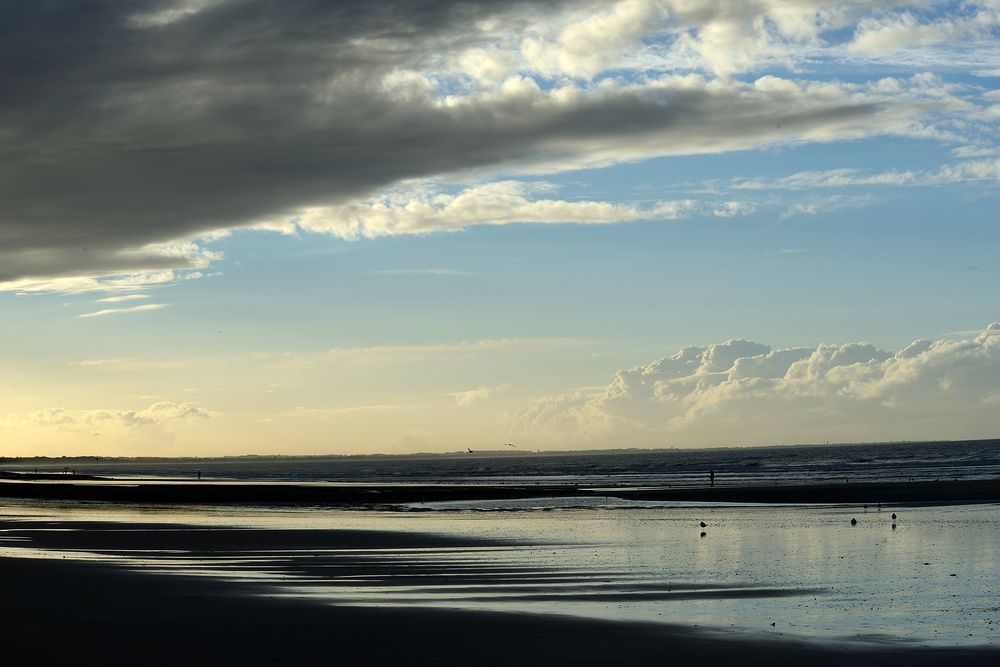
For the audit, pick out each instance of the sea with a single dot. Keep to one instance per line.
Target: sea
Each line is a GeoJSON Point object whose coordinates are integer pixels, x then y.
{"type": "Point", "coordinates": [801, 464]}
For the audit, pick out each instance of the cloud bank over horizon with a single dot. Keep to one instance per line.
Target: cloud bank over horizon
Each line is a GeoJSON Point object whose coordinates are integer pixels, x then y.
{"type": "Point", "coordinates": [742, 392]}
{"type": "Point", "coordinates": [61, 431]}
{"type": "Point", "coordinates": [735, 393]}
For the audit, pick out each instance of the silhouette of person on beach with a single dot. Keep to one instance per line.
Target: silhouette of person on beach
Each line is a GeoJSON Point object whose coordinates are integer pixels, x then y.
{"type": "Point", "coordinates": [711, 477]}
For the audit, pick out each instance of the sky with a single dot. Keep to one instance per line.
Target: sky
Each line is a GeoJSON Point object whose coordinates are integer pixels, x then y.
{"type": "Point", "coordinates": [302, 227]}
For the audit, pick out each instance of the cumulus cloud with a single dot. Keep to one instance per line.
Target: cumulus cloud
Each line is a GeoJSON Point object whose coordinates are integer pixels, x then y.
{"type": "Point", "coordinates": [464, 399]}
{"type": "Point", "coordinates": [904, 29]}
{"type": "Point", "coordinates": [156, 414]}
{"type": "Point", "coordinates": [743, 392]}
{"type": "Point", "coordinates": [724, 38]}
{"type": "Point", "coordinates": [587, 41]}
{"type": "Point", "coordinates": [128, 125]}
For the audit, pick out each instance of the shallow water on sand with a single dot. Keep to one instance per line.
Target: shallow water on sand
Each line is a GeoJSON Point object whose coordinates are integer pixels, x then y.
{"type": "Point", "coordinates": [934, 578]}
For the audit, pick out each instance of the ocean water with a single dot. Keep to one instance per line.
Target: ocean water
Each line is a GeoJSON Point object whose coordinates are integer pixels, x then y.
{"type": "Point", "coordinates": [764, 465]}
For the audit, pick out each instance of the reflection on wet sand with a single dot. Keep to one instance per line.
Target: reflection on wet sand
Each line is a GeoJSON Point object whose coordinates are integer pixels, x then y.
{"type": "Point", "coordinates": [791, 572]}
{"type": "Point", "coordinates": [388, 569]}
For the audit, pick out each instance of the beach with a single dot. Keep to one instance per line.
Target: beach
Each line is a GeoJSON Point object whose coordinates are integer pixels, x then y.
{"type": "Point", "coordinates": [535, 581]}
{"type": "Point", "coordinates": [98, 613]}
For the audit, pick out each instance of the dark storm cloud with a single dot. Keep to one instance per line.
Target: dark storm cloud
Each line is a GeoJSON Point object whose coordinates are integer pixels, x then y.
{"type": "Point", "coordinates": [119, 129]}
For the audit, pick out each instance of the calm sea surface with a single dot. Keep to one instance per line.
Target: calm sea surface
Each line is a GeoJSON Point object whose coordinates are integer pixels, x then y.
{"type": "Point", "coordinates": [790, 464]}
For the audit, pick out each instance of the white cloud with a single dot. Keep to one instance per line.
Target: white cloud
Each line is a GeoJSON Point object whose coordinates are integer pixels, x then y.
{"type": "Point", "coordinates": [123, 298]}
{"type": "Point", "coordinates": [817, 205]}
{"type": "Point", "coordinates": [112, 282]}
{"type": "Point", "coordinates": [131, 364]}
{"type": "Point", "coordinates": [741, 392]}
{"type": "Point", "coordinates": [594, 38]}
{"type": "Point", "coordinates": [724, 38]}
{"type": "Point", "coordinates": [117, 311]}
{"type": "Point", "coordinates": [158, 413]}
{"type": "Point", "coordinates": [464, 399]}
{"type": "Point", "coordinates": [969, 171]}
{"type": "Point", "coordinates": [497, 203]}
{"type": "Point", "coordinates": [904, 30]}
{"type": "Point", "coordinates": [975, 151]}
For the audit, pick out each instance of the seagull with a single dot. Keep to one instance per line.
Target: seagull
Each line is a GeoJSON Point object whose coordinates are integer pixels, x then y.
{"type": "Point", "coordinates": [509, 444]}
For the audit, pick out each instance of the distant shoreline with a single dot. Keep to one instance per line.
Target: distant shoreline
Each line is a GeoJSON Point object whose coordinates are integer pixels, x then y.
{"type": "Point", "coordinates": [212, 492]}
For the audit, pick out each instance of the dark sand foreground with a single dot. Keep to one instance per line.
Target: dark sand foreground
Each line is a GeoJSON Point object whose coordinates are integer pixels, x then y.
{"type": "Point", "coordinates": [58, 611]}
{"type": "Point", "coordinates": [71, 613]}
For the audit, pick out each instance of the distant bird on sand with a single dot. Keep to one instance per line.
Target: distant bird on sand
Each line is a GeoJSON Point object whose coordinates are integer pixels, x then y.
{"type": "Point", "coordinates": [893, 516]}
{"type": "Point", "coordinates": [703, 524]}
{"type": "Point", "coordinates": [854, 522]}
{"type": "Point", "coordinates": [509, 444]}
{"type": "Point", "coordinates": [470, 450]}
{"type": "Point", "coordinates": [703, 533]}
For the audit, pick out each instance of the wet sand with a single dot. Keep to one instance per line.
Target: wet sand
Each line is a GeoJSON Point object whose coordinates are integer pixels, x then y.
{"type": "Point", "coordinates": [210, 492]}
{"type": "Point", "coordinates": [57, 609]}
{"type": "Point", "coordinates": [964, 492]}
